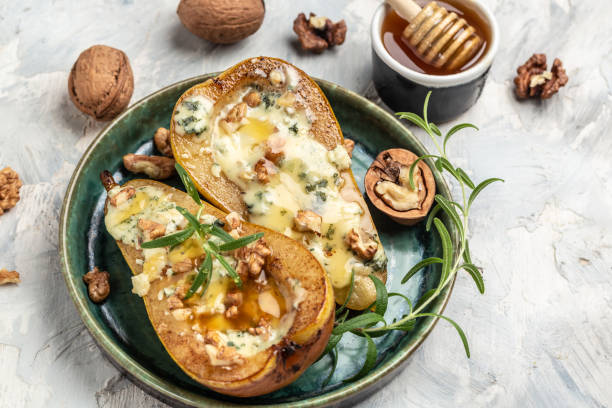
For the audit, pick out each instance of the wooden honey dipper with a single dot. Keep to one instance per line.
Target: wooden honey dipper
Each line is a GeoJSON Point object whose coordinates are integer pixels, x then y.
{"type": "Point", "coordinates": [440, 38]}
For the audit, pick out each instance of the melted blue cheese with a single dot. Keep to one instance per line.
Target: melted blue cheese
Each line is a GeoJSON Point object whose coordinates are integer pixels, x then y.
{"type": "Point", "coordinates": [309, 177]}
{"type": "Point", "coordinates": [248, 345]}
{"type": "Point", "coordinates": [148, 203]}
{"type": "Point", "coordinates": [192, 115]}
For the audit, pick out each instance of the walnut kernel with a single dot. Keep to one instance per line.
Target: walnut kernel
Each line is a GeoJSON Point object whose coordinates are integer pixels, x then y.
{"type": "Point", "coordinates": [162, 142]}
{"type": "Point", "coordinates": [7, 277]}
{"type": "Point", "coordinates": [9, 189]}
{"type": "Point", "coordinates": [98, 286]}
{"type": "Point", "coordinates": [349, 145]}
{"type": "Point", "coordinates": [364, 248]}
{"type": "Point", "coordinates": [533, 80]}
{"type": "Point", "coordinates": [307, 221]}
{"type": "Point", "coordinates": [253, 99]}
{"type": "Point", "coordinates": [122, 196]}
{"type": "Point", "coordinates": [318, 33]}
{"type": "Point", "coordinates": [156, 167]}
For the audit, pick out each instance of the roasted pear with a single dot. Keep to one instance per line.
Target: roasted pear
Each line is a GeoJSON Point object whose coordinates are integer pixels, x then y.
{"type": "Point", "coordinates": [245, 333]}
{"type": "Point", "coordinates": [262, 140]}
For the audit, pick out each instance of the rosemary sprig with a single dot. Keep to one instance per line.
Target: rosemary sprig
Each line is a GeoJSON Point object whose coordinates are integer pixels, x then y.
{"type": "Point", "coordinates": [370, 324]}
{"type": "Point", "coordinates": [211, 249]}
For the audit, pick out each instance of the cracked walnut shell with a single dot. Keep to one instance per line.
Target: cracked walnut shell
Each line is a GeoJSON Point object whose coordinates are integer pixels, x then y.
{"type": "Point", "coordinates": [389, 167]}
{"type": "Point", "coordinates": [9, 189]}
{"type": "Point", "coordinates": [101, 82]}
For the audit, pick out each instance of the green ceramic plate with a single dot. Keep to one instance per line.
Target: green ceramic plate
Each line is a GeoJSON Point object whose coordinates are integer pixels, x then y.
{"type": "Point", "coordinates": [120, 325]}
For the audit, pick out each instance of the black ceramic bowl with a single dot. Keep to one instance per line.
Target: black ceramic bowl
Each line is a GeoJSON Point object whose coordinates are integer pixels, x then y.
{"type": "Point", "coordinates": [403, 89]}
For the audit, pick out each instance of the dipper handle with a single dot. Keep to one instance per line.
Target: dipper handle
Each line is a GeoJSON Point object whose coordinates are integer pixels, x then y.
{"type": "Point", "coordinates": [440, 38]}
{"type": "Point", "coordinates": [407, 9]}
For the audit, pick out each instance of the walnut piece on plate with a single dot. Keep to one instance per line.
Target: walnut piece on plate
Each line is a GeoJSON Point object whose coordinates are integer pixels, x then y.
{"type": "Point", "coordinates": [162, 141]}
{"type": "Point", "coordinates": [98, 286]}
{"type": "Point", "coordinates": [156, 167]}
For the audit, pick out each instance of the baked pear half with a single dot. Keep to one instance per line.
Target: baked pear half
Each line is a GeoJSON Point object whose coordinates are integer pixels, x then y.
{"type": "Point", "coordinates": [261, 140]}
{"type": "Point", "coordinates": [243, 321]}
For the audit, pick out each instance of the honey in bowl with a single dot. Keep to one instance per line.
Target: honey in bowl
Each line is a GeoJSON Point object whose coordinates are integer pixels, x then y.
{"type": "Point", "coordinates": [399, 48]}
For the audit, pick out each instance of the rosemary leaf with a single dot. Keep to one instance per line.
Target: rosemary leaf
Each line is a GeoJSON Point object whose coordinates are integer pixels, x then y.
{"type": "Point", "coordinates": [466, 252]}
{"type": "Point", "coordinates": [407, 326]}
{"type": "Point", "coordinates": [422, 264]}
{"type": "Point", "coordinates": [445, 164]}
{"type": "Point", "coordinates": [188, 183]}
{"type": "Point", "coordinates": [169, 240]}
{"type": "Point", "coordinates": [193, 222]}
{"type": "Point", "coordinates": [240, 242]}
{"type": "Point", "coordinates": [432, 214]}
{"type": "Point", "coordinates": [455, 325]}
{"type": "Point", "coordinates": [203, 277]}
{"type": "Point", "coordinates": [435, 129]}
{"type": "Point", "coordinates": [438, 164]}
{"type": "Point", "coordinates": [454, 130]}
{"type": "Point", "coordinates": [232, 272]}
{"type": "Point", "coordinates": [466, 179]}
{"type": "Point", "coordinates": [369, 362]}
{"type": "Point", "coordinates": [412, 117]}
{"type": "Point", "coordinates": [382, 298]}
{"type": "Point", "coordinates": [334, 339]}
{"type": "Point", "coordinates": [348, 296]}
{"type": "Point", "coordinates": [334, 355]}
{"type": "Point", "coordinates": [479, 188]}
{"type": "Point", "coordinates": [449, 209]}
{"type": "Point", "coordinates": [213, 245]}
{"type": "Point", "coordinates": [476, 275]}
{"type": "Point", "coordinates": [363, 320]}
{"type": "Point", "coordinates": [413, 168]}
{"type": "Point", "coordinates": [447, 250]}
{"type": "Point", "coordinates": [425, 105]}
{"type": "Point", "coordinates": [392, 294]}
{"type": "Point", "coordinates": [221, 233]}
{"type": "Point", "coordinates": [375, 332]}
{"type": "Point", "coordinates": [425, 297]}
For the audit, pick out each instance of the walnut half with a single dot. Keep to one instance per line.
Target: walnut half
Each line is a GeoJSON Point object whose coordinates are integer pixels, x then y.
{"type": "Point", "coordinates": [533, 79]}
{"type": "Point", "coordinates": [316, 34]}
{"type": "Point", "coordinates": [7, 277]}
{"type": "Point", "coordinates": [9, 189]}
{"type": "Point", "coordinates": [365, 248]}
{"type": "Point", "coordinates": [156, 167]}
{"type": "Point", "coordinates": [307, 221]}
{"type": "Point", "coordinates": [162, 141]}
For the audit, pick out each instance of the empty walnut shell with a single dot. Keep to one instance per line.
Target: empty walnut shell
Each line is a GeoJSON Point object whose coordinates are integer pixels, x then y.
{"type": "Point", "coordinates": [101, 82]}
{"type": "Point", "coordinates": [406, 158]}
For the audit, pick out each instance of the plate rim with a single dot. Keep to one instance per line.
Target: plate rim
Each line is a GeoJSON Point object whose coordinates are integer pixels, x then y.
{"type": "Point", "coordinates": [172, 394]}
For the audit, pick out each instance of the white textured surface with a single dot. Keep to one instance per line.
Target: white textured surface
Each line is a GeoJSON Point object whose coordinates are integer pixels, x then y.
{"type": "Point", "coordinates": [540, 336]}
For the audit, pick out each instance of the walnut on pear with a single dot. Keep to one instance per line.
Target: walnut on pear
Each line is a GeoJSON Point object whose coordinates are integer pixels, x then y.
{"type": "Point", "coordinates": [221, 21]}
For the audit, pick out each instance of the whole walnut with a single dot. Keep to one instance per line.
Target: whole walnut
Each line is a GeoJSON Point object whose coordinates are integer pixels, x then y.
{"type": "Point", "coordinates": [101, 82]}
{"type": "Point", "coordinates": [221, 21]}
